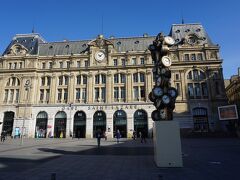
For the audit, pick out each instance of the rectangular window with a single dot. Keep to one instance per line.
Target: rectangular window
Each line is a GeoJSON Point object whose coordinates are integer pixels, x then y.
{"type": "Point", "coordinates": [20, 65]}
{"type": "Point", "coordinates": [186, 57]}
{"type": "Point", "coordinates": [199, 57]}
{"type": "Point", "coordinates": [10, 66]}
{"type": "Point", "coordinates": [15, 65]}
{"type": "Point", "coordinates": [190, 90]}
{"type": "Point", "coordinates": [86, 63]}
{"type": "Point", "coordinates": [47, 95]}
{"type": "Point", "coordinates": [78, 80]}
{"type": "Point", "coordinates": [142, 60]}
{"type": "Point", "coordinates": [84, 94]}
{"type": "Point", "coordinates": [134, 61]}
{"type": "Point", "coordinates": [43, 65]}
{"type": "Point", "coordinates": [103, 93]}
{"type": "Point", "coordinates": [123, 78]}
{"type": "Point", "coordinates": [103, 79]}
{"type": "Point", "coordinates": [115, 63]}
{"type": "Point", "coordinates": [11, 95]}
{"type": "Point", "coordinates": [116, 80]}
{"type": "Point", "coordinates": [66, 80]}
{"type": "Point", "coordinates": [68, 64]}
{"type": "Point", "coordinates": [142, 92]}
{"type": "Point", "coordinates": [123, 93]}
{"type": "Point", "coordinates": [97, 79]}
{"type": "Point", "coordinates": [135, 93]}
{"type": "Point", "coordinates": [78, 93]}
{"type": "Point", "coordinates": [59, 94]}
{"type": "Point", "coordinates": [61, 65]}
{"type": "Point", "coordinates": [193, 57]}
{"type": "Point", "coordinates": [65, 94]}
{"type": "Point", "coordinates": [43, 81]}
{"type": "Point", "coordinates": [96, 94]}
{"type": "Point", "coordinates": [178, 89]}
{"type": "Point", "coordinates": [204, 89]}
{"type": "Point", "coordinates": [217, 88]}
{"type": "Point", "coordinates": [50, 65]}
{"type": "Point", "coordinates": [48, 81]}
{"type": "Point", "coordinates": [6, 96]}
{"type": "Point", "coordinates": [197, 90]}
{"type": "Point", "coordinates": [41, 94]}
{"type": "Point", "coordinates": [84, 79]}
{"type": "Point", "coordinates": [78, 64]}
{"type": "Point", "coordinates": [135, 77]}
{"type": "Point", "coordinates": [123, 62]}
{"type": "Point", "coordinates": [17, 95]}
{"type": "Point", "coordinates": [177, 77]}
{"type": "Point", "coordinates": [116, 93]}
{"type": "Point", "coordinates": [142, 77]}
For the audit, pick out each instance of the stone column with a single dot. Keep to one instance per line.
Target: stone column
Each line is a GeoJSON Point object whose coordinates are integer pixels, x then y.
{"type": "Point", "coordinates": [148, 83]}
{"type": "Point", "coordinates": [90, 88]}
{"type": "Point", "coordinates": [129, 87]}
{"type": "Point", "coordinates": [183, 85]}
{"type": "Point", "coordinates": [71, 88]}
{"type": "Point", "coordinates": [109, 87]}
{"type": "Point", "coordinates": [53, 89]}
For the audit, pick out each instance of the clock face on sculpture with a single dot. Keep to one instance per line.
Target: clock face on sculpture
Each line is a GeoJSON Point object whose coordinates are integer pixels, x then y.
{"type": "Point", "coordinates": [157, 91]}
{"type": "Point", "coordinates": [166, 61]}
{"type": "Point", "coordinates": [169, 40]}
{"type": "Point", "coordinates": [166, 99]}
{"type": "Point", "coordinates": [172, 92]}
{"type": "Point", "coordinates": [99, 56]}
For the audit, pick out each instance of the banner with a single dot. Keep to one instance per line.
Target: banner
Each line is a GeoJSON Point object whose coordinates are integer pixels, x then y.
{"type": "Point", "coordinates": [227, 112]}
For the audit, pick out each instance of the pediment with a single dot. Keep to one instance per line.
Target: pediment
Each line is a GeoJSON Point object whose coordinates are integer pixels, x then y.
{"type": "Point", "coordinates": [100, 42]}
{"type": "Point", "coordinates": [17, 49]}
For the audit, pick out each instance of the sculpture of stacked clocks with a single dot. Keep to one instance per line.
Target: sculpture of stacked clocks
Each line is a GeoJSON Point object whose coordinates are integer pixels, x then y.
{"type": "Point", "coordinates": [163, 96]}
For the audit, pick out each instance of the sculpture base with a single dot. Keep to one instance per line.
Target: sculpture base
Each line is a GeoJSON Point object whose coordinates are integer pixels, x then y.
{"type": "Point", "coordinates": [167, 144]}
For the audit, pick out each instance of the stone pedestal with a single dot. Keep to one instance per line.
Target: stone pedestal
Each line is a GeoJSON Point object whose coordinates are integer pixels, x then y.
{"type": "Point", "coordinates": [167, 144]}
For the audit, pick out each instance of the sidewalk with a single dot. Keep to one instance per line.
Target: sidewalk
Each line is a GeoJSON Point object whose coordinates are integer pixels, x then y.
{"type": "Point", "coordinates": [81, 159]}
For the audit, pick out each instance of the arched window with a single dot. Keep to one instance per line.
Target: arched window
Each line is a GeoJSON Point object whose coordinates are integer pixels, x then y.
{"type": "Point", "coordinates": [139, 93]}
{"type": "Point", "coordinates": [196, 84]}
{"type": "Point", "coordinates": [100, 88]}
{"type": "Point", "coordinates": [12, 90]}
{"type": "Point", "coordinates": [119, 87]}
{"type": "Point", "coordinates": [141, 122]}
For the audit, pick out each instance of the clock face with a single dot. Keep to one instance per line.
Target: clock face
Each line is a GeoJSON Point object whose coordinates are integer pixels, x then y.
{"type": "Point", "coordinates": [159, 81]}
{"type": "Point", "coordinates": [166, 61]}
{"type": "Point", "coordinates": [169, 40]}
{"type": "Point", "coordinates": [172, 92]}
{"type": "Point", "coordinates": [162, 114]}
{"type": "Point", "coordinates": [166, 99]}
{"type": "Point", "coordinates": [157, 91]}
{"type": "Point", "coordinates": [99, 56]}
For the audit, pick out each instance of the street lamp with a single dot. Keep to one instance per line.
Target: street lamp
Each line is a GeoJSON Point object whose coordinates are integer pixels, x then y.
{"type": "Point", "coordinates": [27, 87]}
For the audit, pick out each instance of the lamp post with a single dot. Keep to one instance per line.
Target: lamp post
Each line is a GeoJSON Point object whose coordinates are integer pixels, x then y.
{"type": "Point", "coordinates": [27, 87]}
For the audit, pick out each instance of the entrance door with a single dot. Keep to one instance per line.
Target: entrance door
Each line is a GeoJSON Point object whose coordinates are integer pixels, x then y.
{"type": "Point", "coordinates": [79, 128]}
{"type": "Point", "coordinates": [141, 122]}
{"type": "Point", "coordinates": [60, 125]}
{"type": "Point", "coordinates": [8, 122]}
{"type": "Point", "coordinates": [120, 123]}
{"type": "Point", "coordinates": [200, 119]}
{"type": "Point", "coordinates": [99, 122]}
{"type": "Point", "coordinates": [41, 125]}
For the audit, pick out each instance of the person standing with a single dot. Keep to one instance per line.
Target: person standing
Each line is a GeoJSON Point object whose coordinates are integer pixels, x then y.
{"type": "Point", "coordinates": [118, 135]}
{"type": "Point", "coordinates": [143, 136]}
{"type": "Point", "coordinates": [98, 136]}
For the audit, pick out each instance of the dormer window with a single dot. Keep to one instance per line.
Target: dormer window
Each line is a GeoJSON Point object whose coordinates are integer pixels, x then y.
{"type": "Point", "coordinates": [177, 31]}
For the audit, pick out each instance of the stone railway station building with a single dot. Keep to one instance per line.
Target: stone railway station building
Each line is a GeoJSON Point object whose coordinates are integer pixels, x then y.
{"type": "Point", "coordinates": [74, 88]}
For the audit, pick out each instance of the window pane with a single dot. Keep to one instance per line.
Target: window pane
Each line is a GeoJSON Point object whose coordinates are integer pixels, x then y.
{"type": "Point", "coordinates": [178, 88]}
{"type": "Point", "coordinates": [97, 79]}
{"type": "Point", "coordinates": [115, 92]}
{"type": "Point", "coordinates": [84, 79]}
{"type": "Point", "coordinates": [115, 78]}
{"type": "Point", "coordinates": [135, 77]}
{"type": "Point", "coordinates": [65, 94]}
{"type": "Point", "coordinates": [123, 62]}
{"type": "Point", "coordinates": [186, 57]}
{"type": "Point", "coordinates": [78, 64]}
{"type": "Point", "coordinates": [84, 93]}
{"type": "Point", "coordinates": [142, 77]}
{"type": "Point", "coordinates": [47, 94]}
{"type": "Point", "coordinates": [197, 89]}
{"type": "Point", "coordinates": [59, 94]}
{"type": "Point", "coordinates": [189, 76]}
{"type": "Point", "coordinates": [96, 93]}
{"type": "Point", "coordinates": [190, 89]}
{"type": "Point", "coordinates": [142, 61]}
{"type": "Point", "coordinates": [6, 96]}
{"type": "Point", "coordinates": [195, 74]}
{"type": "Point", "coordinates": [115, 62]}
{"type": "Point", "coordinates": [193, 57]}
{"type": "Point", "coordinates": [103, 93]}
{"type": "Point", "coordinates": [123, 93]}
{"type": "Point", "coordinates": [103, 79]}
{"type": "Point", "coordinates": [134, 61]}
{"type": "Point", "coordinates": [123, 78]}
{"type": "Point", "coordinates": [48, 81]}
{"type": "Point", "coordinates": [77, 93]}
{"type": "Point", "coordinates": [204, 89]}
{"type": "Point", "coordinates": [60, 80]}
{"type": "Point", "coordinates": [199, 56]}
{"type": "Point", "coordinates": [135, 93]}
{"type": "Point", "coordinates": [41, 94]}
{"type": "Point", "coordinates": [78, 80]}
{"type": "Point", "coordinates": [11, 95]}
{"type": "Point", "coordinates": [142, 91]}
{"type": "Point", "coordinates": [66, 80]}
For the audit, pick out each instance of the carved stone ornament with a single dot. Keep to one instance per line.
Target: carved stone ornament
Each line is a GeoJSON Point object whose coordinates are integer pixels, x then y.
{"type": "Point", "coordinates": [17, 49]}
{"type": "Point", "coordinates": [100, 42]}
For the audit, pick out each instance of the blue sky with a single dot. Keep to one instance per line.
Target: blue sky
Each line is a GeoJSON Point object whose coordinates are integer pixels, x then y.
{"type": "Point", "coordinates": [57, 20]}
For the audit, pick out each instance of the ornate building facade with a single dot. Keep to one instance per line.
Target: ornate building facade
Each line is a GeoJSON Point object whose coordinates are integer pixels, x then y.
{"type": "Point", "coordinates": [74, 88]}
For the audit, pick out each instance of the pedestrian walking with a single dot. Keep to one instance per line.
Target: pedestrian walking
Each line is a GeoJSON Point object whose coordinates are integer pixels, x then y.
{"type": "Point", "coordinates": [134, 135]}
{"type": "Point", "coordinates": [3, 136]}
{"type": "Point", "coordinates": [98, 136]}
{"type": "Point", "coordinates": [143, 136]}
{"type": "Point", "coordinates": [118, 135]}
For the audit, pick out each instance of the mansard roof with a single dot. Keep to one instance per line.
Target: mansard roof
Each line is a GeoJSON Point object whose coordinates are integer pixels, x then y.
{"type": "Point", "coordinates": [36, 45]}
{"type": "Point", "coordinates": [181, 31]}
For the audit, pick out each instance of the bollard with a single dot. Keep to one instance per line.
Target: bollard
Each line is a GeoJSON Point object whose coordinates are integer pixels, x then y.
{"type": "Point", "coordinates": [53, 176]}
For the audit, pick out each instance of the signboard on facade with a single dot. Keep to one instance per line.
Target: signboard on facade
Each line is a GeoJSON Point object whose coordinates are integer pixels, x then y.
{"type": "Point", "coordinates": [227, 112]}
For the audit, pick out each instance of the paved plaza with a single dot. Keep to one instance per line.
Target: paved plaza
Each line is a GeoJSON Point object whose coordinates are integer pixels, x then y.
{"type": "Point", "coordinates": [39, 159]}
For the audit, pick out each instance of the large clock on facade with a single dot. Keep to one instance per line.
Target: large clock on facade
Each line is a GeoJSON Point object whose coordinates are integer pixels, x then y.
{"type": "Point", "coordinates": [99, 56]}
